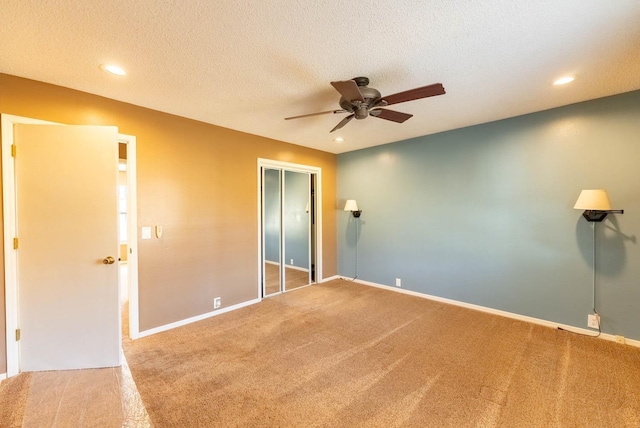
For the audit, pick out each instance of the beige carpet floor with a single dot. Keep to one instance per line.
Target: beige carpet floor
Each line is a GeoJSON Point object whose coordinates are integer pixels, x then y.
{"type": "Point", "coordinates": [342, 354]}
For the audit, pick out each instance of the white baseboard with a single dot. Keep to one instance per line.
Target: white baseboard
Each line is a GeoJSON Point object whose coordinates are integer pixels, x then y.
{"type": "Point", "coordinates": [605, 336]}
{"type": "Point", "coordinates": [331, 278]}
{"type": "Point", "coordinates": [269, 262]}
{"type": "Point", "coordinates": [3, 376]}
{"type": "Point", "coordinates": [196, 318]}
{"type": "Point", "coordinates": [296, 268]}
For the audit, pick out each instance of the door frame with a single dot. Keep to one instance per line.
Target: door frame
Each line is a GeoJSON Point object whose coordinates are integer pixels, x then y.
{"type": "Point", "coordinates": [9, 227]}
{"type": "Point", "coordinates": [288, 166]}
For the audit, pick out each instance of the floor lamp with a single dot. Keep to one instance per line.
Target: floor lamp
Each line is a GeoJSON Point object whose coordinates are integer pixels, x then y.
{"type": "Point", "coordinates": [596, 206]}
{"type": "Point", "coordinates": [352, 206]}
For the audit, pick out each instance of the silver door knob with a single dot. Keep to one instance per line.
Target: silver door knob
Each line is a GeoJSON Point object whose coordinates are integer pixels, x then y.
{"type": "Point", "coordinates": [108, 260]}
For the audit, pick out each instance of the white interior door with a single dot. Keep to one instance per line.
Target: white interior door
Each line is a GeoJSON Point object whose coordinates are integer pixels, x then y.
{"type": "Point", "coordinates": [67, 226]}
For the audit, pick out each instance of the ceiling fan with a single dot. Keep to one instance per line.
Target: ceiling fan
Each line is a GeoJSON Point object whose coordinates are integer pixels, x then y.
{"type": "Point", "coordinates": [361, 101]}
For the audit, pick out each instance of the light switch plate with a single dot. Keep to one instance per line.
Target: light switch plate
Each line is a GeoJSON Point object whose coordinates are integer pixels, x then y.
{"type": "Point", "coordinates": [146, 232]}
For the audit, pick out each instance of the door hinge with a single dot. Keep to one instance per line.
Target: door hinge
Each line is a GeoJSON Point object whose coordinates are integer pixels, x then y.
{"type": "Point", "coordinates": [15, 243]}
{"type": "Point", "coordinates": [17, 334]}
{"type": "Point", "coordinates": [13, 150]}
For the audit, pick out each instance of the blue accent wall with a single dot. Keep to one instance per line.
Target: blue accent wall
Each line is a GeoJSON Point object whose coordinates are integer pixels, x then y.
{"type": "Point", "coordinates": [484, 214]}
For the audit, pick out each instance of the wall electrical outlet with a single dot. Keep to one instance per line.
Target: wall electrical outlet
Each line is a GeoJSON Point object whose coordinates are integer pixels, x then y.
{"type": "Point", "coordinates": [620, 339]}
{"type": "Point", "coordinates": [291, 262]}
{"type": "Point", "coordinates": [398, 282]}
{"type": "Point", "coordinates": [593, 320]}
{"type": "Point", "coordinates": [217, 302]}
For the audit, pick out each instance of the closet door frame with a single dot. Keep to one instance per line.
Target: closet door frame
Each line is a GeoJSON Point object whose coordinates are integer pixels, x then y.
{"type": "Point", "coordinates": [317, 205]}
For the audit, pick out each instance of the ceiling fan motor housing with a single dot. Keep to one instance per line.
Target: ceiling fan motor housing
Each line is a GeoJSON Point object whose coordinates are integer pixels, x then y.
{"type": "Point", "coordinates": [361, 110]}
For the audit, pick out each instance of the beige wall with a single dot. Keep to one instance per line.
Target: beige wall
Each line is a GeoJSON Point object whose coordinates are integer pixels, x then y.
{"type": "Point", "coordinates": [199, 182]}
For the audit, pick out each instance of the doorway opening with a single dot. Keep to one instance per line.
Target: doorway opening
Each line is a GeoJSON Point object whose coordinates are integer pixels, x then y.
{"type": "Point", "coordinates": [127, 240]}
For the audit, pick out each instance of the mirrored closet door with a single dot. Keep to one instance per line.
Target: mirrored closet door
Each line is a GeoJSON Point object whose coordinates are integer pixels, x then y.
{"type": "Point", "coordinates": [287, 230]}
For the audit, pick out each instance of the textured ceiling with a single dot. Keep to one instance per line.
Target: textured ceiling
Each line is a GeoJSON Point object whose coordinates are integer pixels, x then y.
{"type": "Point", "coordinates": [246, 65]}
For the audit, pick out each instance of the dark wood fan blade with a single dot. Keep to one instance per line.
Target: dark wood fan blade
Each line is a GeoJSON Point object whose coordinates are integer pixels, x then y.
{"type": "Point", "coordinates": [348, 89]}
{"type": "Point", "coordinates": [343, 122]}
{"type": "Point", "coordinates": [315, 114]}
{"type": "Point", "coordinates": [415, 94]}
{"type": "Point", "coordinates": [394, 116]}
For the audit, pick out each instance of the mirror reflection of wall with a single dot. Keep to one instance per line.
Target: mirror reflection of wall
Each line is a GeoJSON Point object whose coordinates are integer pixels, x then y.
{"type": "Point", "coordinates": [297, 191]}
{"type": "Point", "coordinates": [271, 228]}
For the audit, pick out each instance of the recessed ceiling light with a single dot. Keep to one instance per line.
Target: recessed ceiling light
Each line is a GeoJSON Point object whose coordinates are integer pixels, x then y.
{"type": "Point", "coordinates": [113, 69]}
{"type": "Point", "coordinates": [339, 140]}
{"type": "Point", "coordinates": [564, 80]}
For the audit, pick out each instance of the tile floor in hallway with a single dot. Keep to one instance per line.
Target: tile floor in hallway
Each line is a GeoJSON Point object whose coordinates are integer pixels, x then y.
{"type": "Point", "coordinates": [84, 398]}
{"type": "Point", "coordinates": [105, 397]}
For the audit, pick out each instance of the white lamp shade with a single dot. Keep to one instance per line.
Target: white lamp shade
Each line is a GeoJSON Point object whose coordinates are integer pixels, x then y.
{"type": "Point", "coordinates": [351, 205]}
{"type": "Point", "coordinates": [595, 200]}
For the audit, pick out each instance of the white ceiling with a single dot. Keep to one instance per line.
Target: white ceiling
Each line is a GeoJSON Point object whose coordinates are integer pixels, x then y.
{"type": "Point", "coordinates": [247, 64]}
